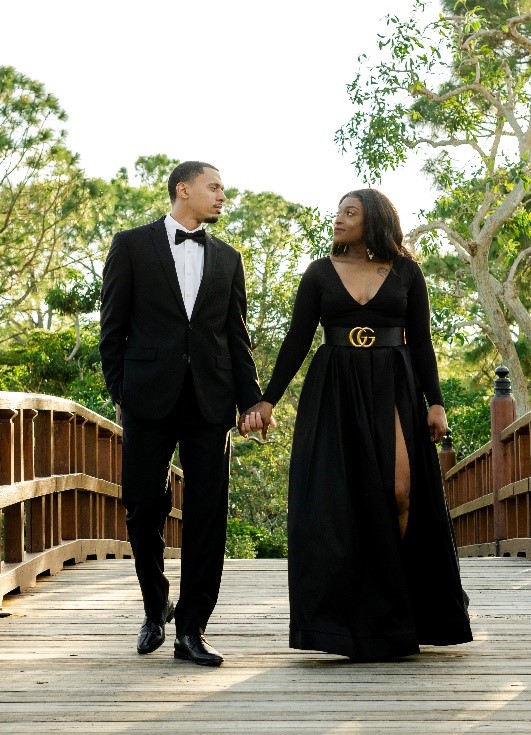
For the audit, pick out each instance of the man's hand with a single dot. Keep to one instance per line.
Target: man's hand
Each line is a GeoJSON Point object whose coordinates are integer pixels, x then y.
{"type": "Point", "coordinates": [257, 418]}
{"type": "Point", "coordinates": [437, 422]}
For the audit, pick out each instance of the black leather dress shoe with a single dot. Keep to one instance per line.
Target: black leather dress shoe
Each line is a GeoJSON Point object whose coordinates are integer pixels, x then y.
{"type": "Point", "coordinates": [196, 648]}
{"type": "Point", "coordinates": [152, 634]}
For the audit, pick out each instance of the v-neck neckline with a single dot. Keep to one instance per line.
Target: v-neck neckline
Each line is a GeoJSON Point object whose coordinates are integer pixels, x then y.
{"type": "Point", "coordinates": [348, 292]}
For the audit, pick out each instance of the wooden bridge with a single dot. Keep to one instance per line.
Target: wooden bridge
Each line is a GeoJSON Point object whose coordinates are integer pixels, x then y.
{"type": "Point", "coordinates": [68, 662]}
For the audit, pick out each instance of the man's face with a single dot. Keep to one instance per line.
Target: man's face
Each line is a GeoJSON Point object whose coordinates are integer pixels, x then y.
{"type": "Point", "coordinates": [205, 196]}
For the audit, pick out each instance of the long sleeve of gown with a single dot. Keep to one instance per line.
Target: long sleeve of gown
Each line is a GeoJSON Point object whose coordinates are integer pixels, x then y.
{"type": "Point", "coordinates": [299, 338]}
{"type": "Point", "coordinates": [418, 338]}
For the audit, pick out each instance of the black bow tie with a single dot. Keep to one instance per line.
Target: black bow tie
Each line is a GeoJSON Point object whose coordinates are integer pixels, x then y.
{"type": "Point", "coordinates": [199, 236]}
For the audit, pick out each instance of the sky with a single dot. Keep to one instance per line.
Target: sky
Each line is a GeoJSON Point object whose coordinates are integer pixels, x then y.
{"type": "Point", "coordinates": [257, 89]}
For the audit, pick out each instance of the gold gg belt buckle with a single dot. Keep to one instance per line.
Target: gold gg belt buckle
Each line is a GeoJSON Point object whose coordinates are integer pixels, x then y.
{"type": "Point", "coordinates": [360, 337]}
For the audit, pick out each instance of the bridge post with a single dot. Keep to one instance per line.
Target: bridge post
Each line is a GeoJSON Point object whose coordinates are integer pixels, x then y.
{"type": "Point", "coordinates": [446, 455]}
{"type": "Point", "coordinates": [502, 413]}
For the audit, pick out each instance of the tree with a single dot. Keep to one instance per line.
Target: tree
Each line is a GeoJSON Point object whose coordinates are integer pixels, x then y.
{"type": "Point", "coordinates": [497, 11]}
{"type": "Point", "coordinates": [264, 227]}
{"type": "Point", "coordinates": [479, 122]}
{"type": "Point", "coordinates": [42, 192]}
{"type": "Point", "coordinates": [74, 298]}
{"type": "Point", "coordinates": [39, 366]}
{"type": "Point", "coordinates": [267, 230]}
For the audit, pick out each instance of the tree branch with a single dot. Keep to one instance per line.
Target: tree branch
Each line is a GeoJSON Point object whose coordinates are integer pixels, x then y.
{"type": "Point", "coordinates": [462, 247]}
{"type": "Point", "coordinates": [519, 311]}
{"type": "Point", "coordinates": [509, 82]}
{"type": "Point", "coordinates": [475, 227]}
{"type": "Point", "coordinates": [517, 263]}
{"type": "Point", "coordinates": [480, 89]}
{"type": "Point", "coordinates": [512, 32]}
{"type": "Point", "coordinates": [507, 294]}
{"type": "Point", "coordinates": [501, 214]}
{"type": "Point", "coordinates": [513, 24]}
{"type": "Point", "coordinates": [496, 143]}
{"type": "Point", "coordinates": [455, 142]}
{"type": "Point", "coordinates": [77, 345]}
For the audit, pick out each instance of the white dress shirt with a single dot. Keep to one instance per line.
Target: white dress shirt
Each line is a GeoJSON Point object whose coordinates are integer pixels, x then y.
{"type": "Point", "coordinates": [189, 257]}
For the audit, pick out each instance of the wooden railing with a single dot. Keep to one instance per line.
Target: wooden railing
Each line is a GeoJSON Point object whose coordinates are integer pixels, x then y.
{"type": "Point", "coordinates": [60, 467]}
{"type": "Point", "coordinates": [60, 487]}
{"type": "Point", "coordinates": [489, 492]}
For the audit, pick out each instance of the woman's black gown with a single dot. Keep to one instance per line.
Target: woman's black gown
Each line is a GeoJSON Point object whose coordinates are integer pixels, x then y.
{"type": "Point", "coordinates": [356, 588]}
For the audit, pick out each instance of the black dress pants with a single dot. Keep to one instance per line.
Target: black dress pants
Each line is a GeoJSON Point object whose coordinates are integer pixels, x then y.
{"type": "Point", "coordinates": [204, 451]}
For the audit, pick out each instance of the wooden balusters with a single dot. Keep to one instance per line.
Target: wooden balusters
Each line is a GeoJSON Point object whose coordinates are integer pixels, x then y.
{"type": "Point", "coordinates": [8, 521]}
{"type": "Point", "coordinates": [60, 475]}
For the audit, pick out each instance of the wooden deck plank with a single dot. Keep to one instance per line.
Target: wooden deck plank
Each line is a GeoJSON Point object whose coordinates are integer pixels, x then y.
{"type": "Point", "coordinates": [68, 663]}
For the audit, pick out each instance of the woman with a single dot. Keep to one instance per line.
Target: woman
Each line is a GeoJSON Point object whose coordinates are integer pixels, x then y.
{"type": "Point", "coordinates": [373, 570]}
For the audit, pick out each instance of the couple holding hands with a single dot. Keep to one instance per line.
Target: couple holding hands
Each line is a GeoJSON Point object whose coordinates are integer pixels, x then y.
{"type": "Point", "coordinates": [373, 569]}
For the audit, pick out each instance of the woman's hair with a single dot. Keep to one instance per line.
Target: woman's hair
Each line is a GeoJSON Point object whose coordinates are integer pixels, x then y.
{"type": "Point", "coordinates": [381, 225]}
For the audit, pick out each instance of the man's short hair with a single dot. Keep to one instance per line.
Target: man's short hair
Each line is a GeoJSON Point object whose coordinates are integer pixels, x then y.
{"type": "Point", "coordinates": [186, 171]}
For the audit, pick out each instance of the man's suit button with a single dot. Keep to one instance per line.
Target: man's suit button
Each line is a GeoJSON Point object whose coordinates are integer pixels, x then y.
{"type": "Point", "coordinates": [185, 357]}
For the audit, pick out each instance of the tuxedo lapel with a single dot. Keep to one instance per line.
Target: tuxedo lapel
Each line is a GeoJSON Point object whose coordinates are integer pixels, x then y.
{"type": "Point", "coordinates": [209, 268]}
{"type": "Point", "coordinates": [160, 241]}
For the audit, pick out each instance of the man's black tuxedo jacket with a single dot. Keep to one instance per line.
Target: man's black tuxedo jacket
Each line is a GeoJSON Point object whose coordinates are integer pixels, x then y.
{"type": "Point", "coordinates": [147, 340]}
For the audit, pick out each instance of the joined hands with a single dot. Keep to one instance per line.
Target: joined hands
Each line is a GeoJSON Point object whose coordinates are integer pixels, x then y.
{"type": "Point", "coordinates": [257, 418]}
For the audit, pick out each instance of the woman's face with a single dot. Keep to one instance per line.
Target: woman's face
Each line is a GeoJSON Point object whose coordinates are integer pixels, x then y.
{"type": "Point", "coordinates": [348, 224]}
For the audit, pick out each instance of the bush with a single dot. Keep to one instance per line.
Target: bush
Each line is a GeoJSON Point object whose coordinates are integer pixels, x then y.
{"type": "Point", "coordinates": [240, 547]}
{"type": "Point", "coordinates": [245, 541]}
{"type": "Point", "coordinates": [274, 545]}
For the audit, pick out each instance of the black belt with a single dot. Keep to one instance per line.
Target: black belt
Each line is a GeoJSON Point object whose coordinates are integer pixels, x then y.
{"type": "Point", "coordinates": [364, 336]}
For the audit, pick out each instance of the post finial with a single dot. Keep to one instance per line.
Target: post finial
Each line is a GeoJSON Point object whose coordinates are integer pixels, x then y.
{"type": "Point", "coordinates": [502, 384]}
{"type": "Point", "coordinates": [446, 442]}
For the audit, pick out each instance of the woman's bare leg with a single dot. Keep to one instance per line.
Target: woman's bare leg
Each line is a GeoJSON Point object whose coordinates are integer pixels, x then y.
{"type": "Point", "coordinates": [402, 476]}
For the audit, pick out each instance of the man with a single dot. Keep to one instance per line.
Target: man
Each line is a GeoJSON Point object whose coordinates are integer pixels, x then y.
{"type": "Point", "coordinates": [176, 358]}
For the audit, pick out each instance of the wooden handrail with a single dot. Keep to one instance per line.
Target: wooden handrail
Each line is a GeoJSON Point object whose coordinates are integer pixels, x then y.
{"type": "Point", "coordinates": [60, 488]}
{"type": "Point", "coordinates": [60, 475]}
{"type": "Point", "coordinates": [489, 492]}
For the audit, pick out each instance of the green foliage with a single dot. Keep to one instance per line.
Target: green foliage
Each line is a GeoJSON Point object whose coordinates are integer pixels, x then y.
{"type": "Point", "coordinates": [153, 171]}
{"type": "Point", "coordinates": [259, 477]}
{"type": "Point", "coordinates": [497, 10]}
{"type": "Point", "coordinates": [317, 230]}
{"type": "Point", "coordinates": [394, 106]}
{"type": "Point", "coordinates": [40, 362]}
{"type": "Point", "coordinates": [264, 227]}
{"type": "Point", "coordinates": [40, 366]}
{"type": "Point", "coordinates": [245, 541]}
{"type": "Point", "coordinates": [468, 412]}
{"type": "Point", "coordinates": [239, 545]}
{"type": "Point", "coordinates": [124, 204]}
{"type": "Point", "coordinates": [75, 296]}
{"type": "Point", "coordinates": [26, 108]}
{"type": "Point", "coordinates": [42, 193]}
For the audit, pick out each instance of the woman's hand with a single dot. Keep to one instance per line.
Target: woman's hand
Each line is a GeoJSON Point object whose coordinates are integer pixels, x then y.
{"type": "Point", "coordinates": [437, 423]}
{"type": "Point", "coordinates": [257, 418]}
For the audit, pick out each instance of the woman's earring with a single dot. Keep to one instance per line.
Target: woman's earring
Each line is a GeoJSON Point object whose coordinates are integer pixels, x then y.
{"type": "Point", "coordinates": [370, 254]}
